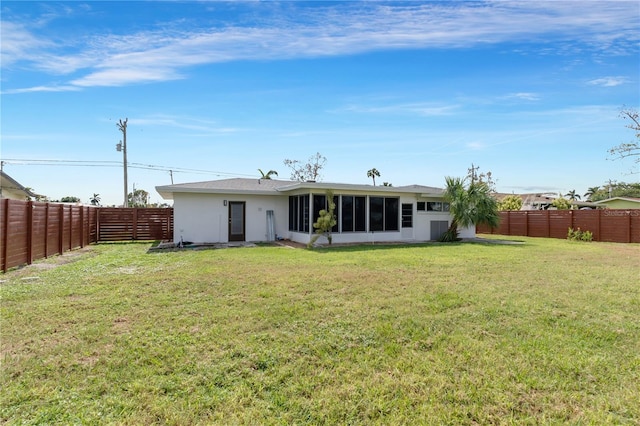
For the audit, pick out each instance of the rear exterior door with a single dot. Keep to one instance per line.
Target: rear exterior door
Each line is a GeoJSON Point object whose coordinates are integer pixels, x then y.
{"type": "Point", "coordinates": [237, 221]}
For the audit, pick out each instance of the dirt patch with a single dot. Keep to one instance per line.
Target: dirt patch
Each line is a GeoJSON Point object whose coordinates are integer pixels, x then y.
{"type": "Point", "coordinates": [29, 272]}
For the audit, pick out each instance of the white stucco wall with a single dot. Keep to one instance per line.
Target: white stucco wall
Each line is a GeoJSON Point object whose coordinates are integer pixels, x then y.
{"type": "Point", "coordinates": [203, 218]}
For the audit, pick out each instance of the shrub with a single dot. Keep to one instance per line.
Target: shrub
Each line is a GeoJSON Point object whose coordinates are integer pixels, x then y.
{"type": "Point", "coordinates": [579, 235]}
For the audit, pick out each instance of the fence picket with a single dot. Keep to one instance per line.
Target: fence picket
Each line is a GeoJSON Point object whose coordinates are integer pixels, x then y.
{"type": "Point", "coordinates": [611, 225]}
{"type": "Point", "coordinates": [33, 230]}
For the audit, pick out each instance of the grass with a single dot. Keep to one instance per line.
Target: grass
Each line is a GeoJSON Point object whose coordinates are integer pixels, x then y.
{"type": "Point", "coordinates": [546, 332]}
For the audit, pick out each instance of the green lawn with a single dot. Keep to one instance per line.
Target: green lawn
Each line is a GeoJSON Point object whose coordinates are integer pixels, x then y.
{"type": "Point", "coordinates": [545, 332]}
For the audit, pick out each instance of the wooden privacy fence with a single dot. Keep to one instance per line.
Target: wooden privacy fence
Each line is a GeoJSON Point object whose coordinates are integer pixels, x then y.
{"type": "Point", "coordinates": [120, 224]}
{"type": "Point", "coordinates": [618, 226]}
{"type": "Point", "coordinates": [32, 230]}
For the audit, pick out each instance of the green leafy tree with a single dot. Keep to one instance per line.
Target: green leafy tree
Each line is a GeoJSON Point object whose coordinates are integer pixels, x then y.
{"type": "Point", "coordinates": [326, 221]}
{"type": "Point", "coordinates": [572, 195]}
{"type": "Point", "coordinates": [310, 171]}
{"type": "Point", "coordinates": [614, 189]}
{"type": "Point", "coordinates": [138, 198]}
{"type": "Point", "coordinates": [69, 199]}
{"type": "Point", "coordinates": [387, 184]}
{"type": "Point", "coordinates": [561, 203]}
{"type": "Point", "coordinates": [95, 200]}
{"type": "Point", "coordinates": [591, 192]}
{"type": "Point", "coordinates": [268, 174]}
{"type": "Point", "coordinates": [510, 203]}
{"type": "Point", "coordinates": [373, 173]}
{"type": "Point", "coordinates": [470, 204]}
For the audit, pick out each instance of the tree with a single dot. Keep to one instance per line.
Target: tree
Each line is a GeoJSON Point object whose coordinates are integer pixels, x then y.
{"type": "Point", "coordinates": [474, 175]}
{"type": "Point", "coordinates": [630, 149]}
{"type": "Point", "coordinates": [138, 198]}
{"type": "Point", "coordinates": [387, 184]}
{"type": "Point", "coordinates": [69, 199]}
{"type": "Point", "coordinates": [309, 171]}
{"type": "Point", "coordinates": [95, 200]}
{"type": "Point", "coordinates": [326, 220]}
{"type": "Point", "coordinates": [591, 192]}
{"type": "Point", "coordinates": [614, 189]}
{"type": "Point", "coordinates": [268, 174]}
{"type": "Point", "coordinates": [373, 173]}
{"type": "Point", "coordinates": [469, 204]}
{"type": "Point", "coordinates": [572, 195]}
{"type": "Point", "coordinates": [510, 203]}
{"type": "Point", "coordinates": [561, 203]}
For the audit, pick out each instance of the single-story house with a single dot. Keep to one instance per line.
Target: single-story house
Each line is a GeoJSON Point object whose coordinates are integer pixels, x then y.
{"type": "Point", "coordinates": [10, 188]}
{"type": "Point", "coordinates": [620, 203]}
{"type": "Point", "coordinates": [238, 209]}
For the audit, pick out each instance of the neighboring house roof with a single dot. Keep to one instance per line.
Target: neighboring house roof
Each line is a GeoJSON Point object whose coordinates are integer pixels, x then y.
{"type": "Point", "coordinates": [539, 200]}
{"type": "Point", "coordinates": [275, 187]}
{"type": "Point", "coordinates": [625, 200]}
{"type": "Point", "coordinates": [10, 188]}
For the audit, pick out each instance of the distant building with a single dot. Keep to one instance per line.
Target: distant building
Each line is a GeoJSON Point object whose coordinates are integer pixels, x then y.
{"type": "Point", "coordinates": [620, 203]}
{"type": "Point", "coordinates": [10, 188]}
{"type": "Point", "coordinates": [543, 201]}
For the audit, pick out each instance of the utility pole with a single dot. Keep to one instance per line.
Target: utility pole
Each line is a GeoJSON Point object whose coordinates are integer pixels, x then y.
{"type": "Point", "coordinates": [122, 146]}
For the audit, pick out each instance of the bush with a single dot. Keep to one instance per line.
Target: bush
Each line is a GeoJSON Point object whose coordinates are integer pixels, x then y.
{"type": "Point", "coordinates": [579, 235]}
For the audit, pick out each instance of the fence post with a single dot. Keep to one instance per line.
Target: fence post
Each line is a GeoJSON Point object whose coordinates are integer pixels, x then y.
{"type": "Point", "coordinates": [46, 230]}
{"type": "Point", "coordinates": [597, 237]}
{"type": "Point", "coordinates": [60, 229]}
{"type": "Point", "coordinates": [82, 226]}
{"type": "Point", "coordinates": [135, 223]}
{"type": "Point", "coordinates": [98, 225]}
{"type": "Point", "coordinates": [572, 219]}
{"type": "Point", "coordinates": [526, 223]}
{"type": "Point", "coordinates": [5, 232]}
{"type": "Point", "coordinates": [548, 219]}
{"type": "Point", "coordinates": [628, 226]}
{"type": "Point", "coordinates": [29, 232]}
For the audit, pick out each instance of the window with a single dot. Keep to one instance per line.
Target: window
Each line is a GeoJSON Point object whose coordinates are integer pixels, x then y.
{"type": "Point", "coordinates": [376, 214]}
{"type": "Point", "coordinates": [353, 213]}
{"type": "Point", "coordinates": [437, 206]}
{"type": "Point", "coordinates": [320, 203]}
{"type": "Point", "coordinates": [407, 215]}
{"type": "Point", "coordinates": [391, 214]}
{"type": "Point", "coordinates": [383, 214]}
{"type": "Point", "coordinates": [347, 213]}
{"type": "Point", "coordinates": [421, 206]}
{"type": "Point", "coordinates": [299, 213]}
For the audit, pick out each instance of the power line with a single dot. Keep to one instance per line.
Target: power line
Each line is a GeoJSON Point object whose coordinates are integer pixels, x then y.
{"type": "Point", "coordinates": [94, 163]}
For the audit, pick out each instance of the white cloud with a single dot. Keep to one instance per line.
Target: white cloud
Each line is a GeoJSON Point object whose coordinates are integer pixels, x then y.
{"type": "Point", "coordinates": [203, 126]}
{"type": "Point", "coordinates": [423, 109]}
{"type": "Point", "coordinates": [476, 145]}
{"type": "Point", "coordinates": [608, 81]}
{"type": "Point", "coordinates": [525, 96]}
{"type": "Point", "coordinates": [331, 29]}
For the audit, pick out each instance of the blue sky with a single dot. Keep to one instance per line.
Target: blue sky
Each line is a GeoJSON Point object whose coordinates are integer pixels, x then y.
{"type": "Point", "coordinates": [530, 91]}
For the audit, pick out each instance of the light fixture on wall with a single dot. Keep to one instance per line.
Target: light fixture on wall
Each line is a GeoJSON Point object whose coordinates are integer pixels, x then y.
{"type": "Point", "coordinates": [224, 202]}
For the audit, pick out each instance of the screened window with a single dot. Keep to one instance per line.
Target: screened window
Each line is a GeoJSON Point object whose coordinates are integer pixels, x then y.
{"type": "Point", "coordinates": [421, 206]}
{"type": "Point", "coordinates": [384, 214]}
{"type": "Point", "coordinates": [354, 215]}
{"type": "Point", "coordinates": [299, 213]}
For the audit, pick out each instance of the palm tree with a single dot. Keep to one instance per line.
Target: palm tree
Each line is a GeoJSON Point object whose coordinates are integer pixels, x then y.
{"type": "Point", "coordinates": [372, 174]}
{"type": "Point", "coordinates": [268, 174]}
{"type": "Point", "coordinates": [95, 200]}
{"type": "Point", "coordinates": [572, 195]}
{"type": "Point", "coordinates": [469, 205]}
{"type": "Point", "coordinates": [591, 192]}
